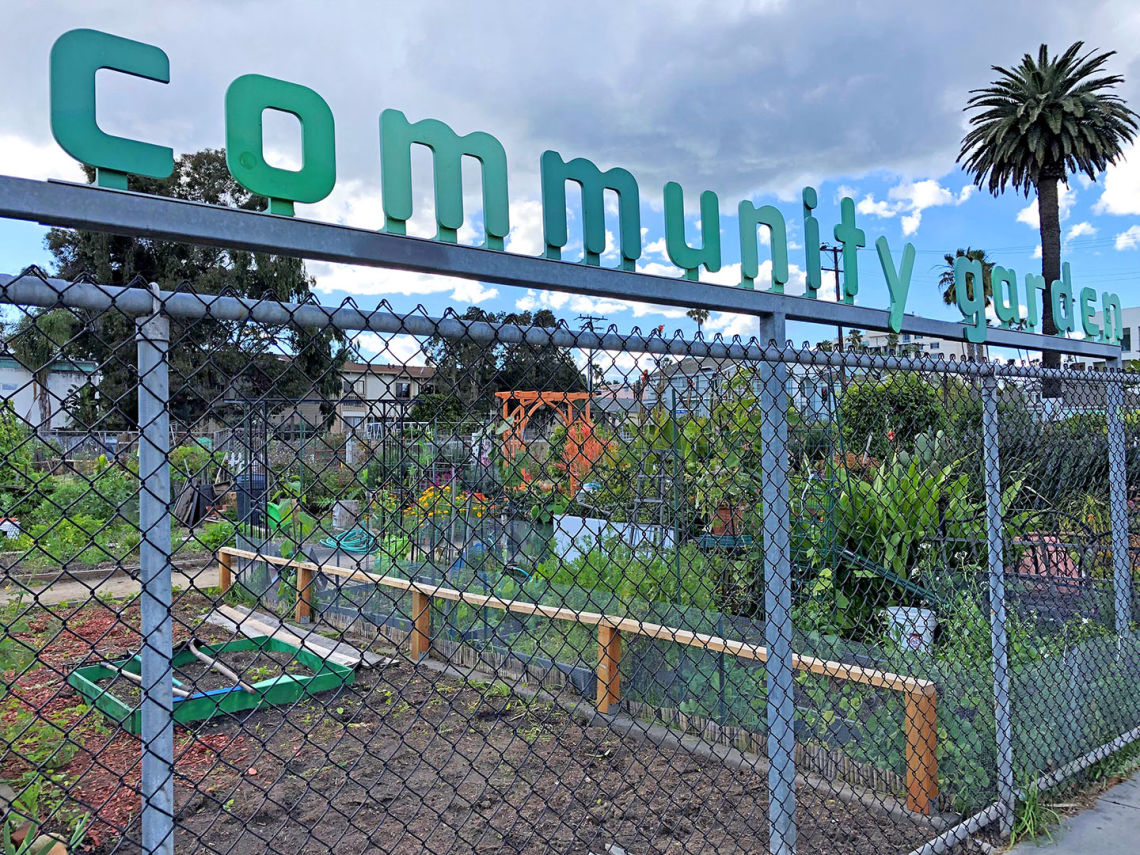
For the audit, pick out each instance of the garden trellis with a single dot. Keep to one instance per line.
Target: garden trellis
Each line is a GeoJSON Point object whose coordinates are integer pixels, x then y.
{"type": "Point", "coordinates": [871, 628]}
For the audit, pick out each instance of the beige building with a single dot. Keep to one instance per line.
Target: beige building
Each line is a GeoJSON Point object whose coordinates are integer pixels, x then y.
{"type": "Point", "coordinates": [908, 344]}
{"type": "Point", "coordinates": [378, 392]}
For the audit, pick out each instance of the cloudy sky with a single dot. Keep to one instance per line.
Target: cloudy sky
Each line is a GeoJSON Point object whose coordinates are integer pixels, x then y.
{"type": "Point", "coordinates": [749, 98]}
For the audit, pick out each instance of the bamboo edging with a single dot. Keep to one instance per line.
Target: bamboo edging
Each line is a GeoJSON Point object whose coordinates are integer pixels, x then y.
{"type": "Point", "coordinates": [921, 695]}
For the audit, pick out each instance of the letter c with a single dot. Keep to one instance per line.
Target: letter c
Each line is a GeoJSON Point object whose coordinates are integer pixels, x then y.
{"type": "Point", "coordinates": [75, 58]}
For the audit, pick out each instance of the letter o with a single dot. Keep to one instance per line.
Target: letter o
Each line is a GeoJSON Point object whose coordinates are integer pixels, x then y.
{"type": "Point", "coordinates": [247, 99]}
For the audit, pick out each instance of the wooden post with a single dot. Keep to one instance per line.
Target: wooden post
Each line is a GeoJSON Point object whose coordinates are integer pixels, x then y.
{"type": "Point", "coordinates": [921, 750]}
{"type": "Point", "coordinates": [303, 611]}
{"type": "Point", "coordinates": [421, 629]}
{"type": "Point", "coordinates": [225, 571]}
{"type": "Point", "coordinates": [609, 671]}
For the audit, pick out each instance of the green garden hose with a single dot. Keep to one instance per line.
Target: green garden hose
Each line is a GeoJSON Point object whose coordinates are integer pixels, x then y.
{"type": "Point", "coordinates": [363, 541]}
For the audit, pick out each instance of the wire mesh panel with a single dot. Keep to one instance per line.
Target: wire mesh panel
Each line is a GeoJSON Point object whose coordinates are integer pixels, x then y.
{"type": "Point", "coordinates": [487, 584]}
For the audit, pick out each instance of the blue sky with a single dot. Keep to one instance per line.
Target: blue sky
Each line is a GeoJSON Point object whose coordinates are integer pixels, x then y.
{"type": "Point", "coordinates": [750, 99]}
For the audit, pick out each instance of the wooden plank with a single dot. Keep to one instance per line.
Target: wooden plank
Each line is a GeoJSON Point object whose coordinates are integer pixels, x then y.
{"type": "Point", "coordinates": [317, 642]}
{"type": "Point", "coordinates": [225, 571]}
{"type": "Point", "coordinates": [609, 667]}
{"type": "Point", "coordinates": [252, 627]}
{"type": "Point", "coordinates": [629, 626]}
{"type": "Point", "coordinates": [303, 611]}
{"type": "Point", "coordinates": [921, 751]}
{"type": "Point", "coordinates": [421, 624]}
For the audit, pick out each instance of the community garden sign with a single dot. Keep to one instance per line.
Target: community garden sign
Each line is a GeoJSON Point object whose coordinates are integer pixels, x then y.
{"type": "Point", "coordinates": [77, 56]}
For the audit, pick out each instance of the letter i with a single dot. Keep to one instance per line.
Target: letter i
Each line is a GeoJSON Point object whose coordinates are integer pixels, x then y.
{"type": "Point", "coordinates": [811, 244]}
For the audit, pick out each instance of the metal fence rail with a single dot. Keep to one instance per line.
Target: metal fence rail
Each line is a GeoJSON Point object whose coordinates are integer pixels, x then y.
{"type": "Point", "coordinates": [751, 617]}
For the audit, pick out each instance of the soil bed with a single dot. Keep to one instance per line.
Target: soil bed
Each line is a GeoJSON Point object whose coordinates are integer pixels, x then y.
{"type": "Point", "coordinates": [405, 761]}
{"type": "Point", "coordinates": [408, 761]}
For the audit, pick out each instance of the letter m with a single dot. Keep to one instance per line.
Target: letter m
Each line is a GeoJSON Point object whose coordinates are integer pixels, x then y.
{"type": "Point", "coordinates": [594, 182]}
{"type": "Point", "coordinates": [398, 135]}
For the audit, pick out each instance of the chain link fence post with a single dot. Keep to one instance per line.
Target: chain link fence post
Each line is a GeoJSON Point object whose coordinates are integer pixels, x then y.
{"type": "Point", "coordinates": [998, 636]}
{"type": "Point", "coordinates": [778, 594]}
{"type": "Point", "coordinates": [153, 337]}
{"type": "Point", "coordinates": [1118, 507]}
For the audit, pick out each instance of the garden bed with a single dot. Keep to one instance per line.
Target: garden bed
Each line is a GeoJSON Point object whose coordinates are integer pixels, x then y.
{"type": "Point", "coordinates": [404, 760]}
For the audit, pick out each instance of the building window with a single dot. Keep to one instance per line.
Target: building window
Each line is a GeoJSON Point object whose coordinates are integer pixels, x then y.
{"type": "Point", "coordinates": [1126, 341]}
{"type": "Point", "coordinates": [934, 346]}
{"type": "Point", "coordinates": [403, 390]}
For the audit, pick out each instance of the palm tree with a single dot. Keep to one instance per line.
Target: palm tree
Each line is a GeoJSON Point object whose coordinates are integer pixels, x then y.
{"type": "Point", "coordinates": [36, 341]}
{"type": "Point", "coordinates": [854, 339]}
{"type": "Point", "coordinates": [700, 316]}
{"type": "Point", "coordinates": [1034, 126]}
{"type": "Point", "coordinates": [946, 280]}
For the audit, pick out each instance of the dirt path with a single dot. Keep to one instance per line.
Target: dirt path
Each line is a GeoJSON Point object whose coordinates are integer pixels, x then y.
{"type": "Point", "coordinates": [68, 589]}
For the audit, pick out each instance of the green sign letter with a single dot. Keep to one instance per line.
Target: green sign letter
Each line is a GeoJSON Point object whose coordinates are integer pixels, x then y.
{"type": "Point", "coordinates": [811, 243]}
{"type": "Point", "coordinates": [971, 294]}
{"type": "Point", "coordinates": [852, 238]}
{"type": "Point", "coordinates": [1113, 330]}
{"type": "Point", "coordinates": [1064, 308]}
{"type": "Point", "coordinates": [246, 101]}
{"type": "Point", "coordinates": [75, 57]}
{"type": "Point", "coordinates": [1006, 306]}
{"type": "Point", "coordinates": [750, 217]}
{"type": "Point", "coordinates": [686, 257]}
{"type": "Point", "coordinates": [398, 135]}
{"type": "Point", "coordinates": [1034, 285]}
{"type": "Point", "coordinates": [555, 174]}
{"type": "Point", "coordinates": [898, 282]}
{"type": "Point", "coordinates": [1088, 325]}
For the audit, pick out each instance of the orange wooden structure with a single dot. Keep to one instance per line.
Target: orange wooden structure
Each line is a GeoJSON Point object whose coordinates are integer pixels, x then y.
{"type": "Point", "coordinates": [582, 447]}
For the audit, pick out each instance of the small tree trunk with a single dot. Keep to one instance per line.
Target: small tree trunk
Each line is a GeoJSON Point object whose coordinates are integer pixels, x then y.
{"type": "Point", "coordinates": [40, 393]}
{"type": "Point", "coordinates": [1048, 211]}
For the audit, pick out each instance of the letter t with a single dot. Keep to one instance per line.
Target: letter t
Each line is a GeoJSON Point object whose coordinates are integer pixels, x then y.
{"type": "Point", "coordinates": [852, 238]}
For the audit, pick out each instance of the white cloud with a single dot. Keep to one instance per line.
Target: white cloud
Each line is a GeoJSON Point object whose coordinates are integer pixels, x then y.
{"type": "Point", "coordinates": [910, 199]}
{"type": "Point", "coordinates": [1121, 195]}
{"type": "Point", "coordinates": [358, 281]}
{"type": "Point", "coordinates": [404, 349]}
{"type": "Point", "coordinates": [1129, 239]}
{"type": "Point", "coordinates": [1085, 229]}
{"type": "Point", "coordinates": [1066, 197]}
{"type": "Point", "coordinates": [368, 281]}
{"type": "Point", "coordinates": [473, 293]}
{"type": "Point", "coordinates": [729, 324]}
{"type": "Point", "coordinates": [869, 207]}
{"type": "Point", "coordinates": [656, 248]}
{"type": "Point", "coordinates": [1037, 251]}
{"type": "Point", "coordinates": [27, 159]}
{"type": "Point", "coordinates": [526, 237]}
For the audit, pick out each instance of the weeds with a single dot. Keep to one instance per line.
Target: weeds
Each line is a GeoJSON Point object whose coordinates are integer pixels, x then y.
{"type": "Point", "coordinates": [1033, 817]}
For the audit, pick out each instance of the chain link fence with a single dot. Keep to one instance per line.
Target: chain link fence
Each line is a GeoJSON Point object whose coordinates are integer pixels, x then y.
{"type": "Point", "coordinates": [578, 592]}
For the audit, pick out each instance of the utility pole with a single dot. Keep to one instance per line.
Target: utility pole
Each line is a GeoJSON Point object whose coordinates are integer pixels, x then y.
{"type": "Point", "coordinates": [835, 250]}
{"type": "Point", "coordinates": [588, 322]}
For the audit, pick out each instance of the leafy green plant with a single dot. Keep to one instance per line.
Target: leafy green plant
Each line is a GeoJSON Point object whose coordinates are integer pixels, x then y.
{"type": "Point", "coordinates": [20, 833]}
{"type": "Point", "coordinates": [213, 536]}
{"type": "Point", "coordinates": [877, 413]}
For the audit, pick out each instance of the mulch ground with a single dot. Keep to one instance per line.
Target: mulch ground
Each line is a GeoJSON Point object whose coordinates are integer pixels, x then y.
{"type": "Point", "coordinates": [407, 761]}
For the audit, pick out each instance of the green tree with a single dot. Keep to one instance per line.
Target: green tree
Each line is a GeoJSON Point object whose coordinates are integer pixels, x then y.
{"type": "Point", "coordinates": [211, 361]}
{"type": "Point", "coordinates": [946, 279]}
{"type": "Point", "coordinates": [1049, 117]}
{"type": "Point", "coordinates": [37, 341]}
{"type": "Point", "coordinates": [473, 370]}
{"type": "Point", "coordinates": [699, 316]}
{"type": "Point", "coordinates": [877, 414]}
